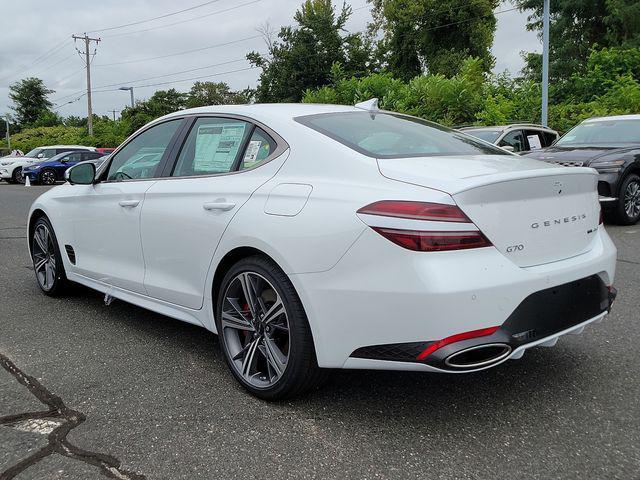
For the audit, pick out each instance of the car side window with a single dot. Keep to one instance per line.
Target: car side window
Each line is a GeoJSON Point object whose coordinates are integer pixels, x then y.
{"type": "Point", "coordinates": [73, 157]}
{"type": "Point", "coordinates": [535, 139]}
{"type": "Point", "coordinates": [50, 152]}
{"type": "Point", "coordinates": [514, 139]}
{"type": "Point", "coordinates": [140, 158]}
{"type": "Point", "coordinates": [549, 138]}
{"type": "Point", "coordinates": [260, 146]}
{"type": "Point", "coordinates": [212, 147]}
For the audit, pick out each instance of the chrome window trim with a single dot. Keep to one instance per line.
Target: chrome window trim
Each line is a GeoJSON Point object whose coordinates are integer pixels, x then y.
{"type": "Point", "coordinates": [281, 146]}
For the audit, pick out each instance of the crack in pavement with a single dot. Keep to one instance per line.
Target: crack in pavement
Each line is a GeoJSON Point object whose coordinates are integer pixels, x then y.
{"type": "Point", "coordinates": [60, 420]}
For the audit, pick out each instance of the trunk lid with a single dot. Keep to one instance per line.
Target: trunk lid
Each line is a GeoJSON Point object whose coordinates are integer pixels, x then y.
{"type": "Point", "coordinates": [533, 212]}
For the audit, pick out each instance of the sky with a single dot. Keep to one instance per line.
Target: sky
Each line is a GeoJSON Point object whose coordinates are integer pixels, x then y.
{"type": "Point", "coordinates": [217, 36]}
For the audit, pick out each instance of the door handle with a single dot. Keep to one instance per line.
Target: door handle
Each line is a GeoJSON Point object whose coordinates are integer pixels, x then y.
{"type": "Point", "coordinates": [129, 203]}
{"type": "Point", "coordinates": [222, 206]}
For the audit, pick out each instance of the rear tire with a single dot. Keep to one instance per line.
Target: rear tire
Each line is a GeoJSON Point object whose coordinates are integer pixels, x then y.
{"type": "Point", "coordinates": [267, 345]}
{"type": "Point", "coordinates": [627, 209]}
{"type": "Point", "coordinates": [47, 260]}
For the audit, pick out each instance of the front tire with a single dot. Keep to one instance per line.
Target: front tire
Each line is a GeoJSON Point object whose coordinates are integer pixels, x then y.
{"type": "Point", "coordinates": [48, 177]}
{"type": "Point", "coordinates": [47, 261]}
{"type": "Point", "coordinates": [627, 209]}
{"type": "Point", "coordinates": [264, 332]}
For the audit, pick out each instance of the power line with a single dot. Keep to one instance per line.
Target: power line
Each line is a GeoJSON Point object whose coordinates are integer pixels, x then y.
{"type": "Point", "coordinates": [41, 58]}
{"type": "Point", "coordinates": [182, 21]}
{"type": "Point", "coordinates": [171, 82]}
{"type": "Point", "coordinates": [180, 53]}
{"type": "Point", "coordinates": [154, 18]}
{"type": "Point", "coordinates": [170, 74]}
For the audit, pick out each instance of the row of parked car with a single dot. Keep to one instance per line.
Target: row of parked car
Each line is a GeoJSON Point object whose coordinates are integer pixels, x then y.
{"type": "Point", "coordinates": [46, 165]}
{"type": "Point", "coordinates": [611, 145]}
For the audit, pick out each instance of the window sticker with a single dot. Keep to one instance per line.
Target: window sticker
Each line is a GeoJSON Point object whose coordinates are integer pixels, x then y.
{"type": "Point", "coordinates": [251, 155]}
{"type": "Point", "coordinates": [217, 146]}
{"type": "Point", "coordinates": [534, 142]}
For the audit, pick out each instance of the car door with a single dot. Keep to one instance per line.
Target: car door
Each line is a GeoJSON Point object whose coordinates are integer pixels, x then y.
{"type": "Point", "coordinates": [106, 215]}
{"type": "Point", "coordinates": [68, 161]}
{"type": "Point", "coordinates": [221, 163]}
{"type": "Point", "coordinates": [515, 139]}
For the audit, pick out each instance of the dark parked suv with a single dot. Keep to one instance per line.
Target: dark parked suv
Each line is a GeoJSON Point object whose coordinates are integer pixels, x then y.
{"type": "Point", "coordinates": [611, 145]}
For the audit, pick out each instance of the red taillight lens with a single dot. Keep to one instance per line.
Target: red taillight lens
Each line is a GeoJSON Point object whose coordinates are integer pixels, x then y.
{"type": "Point", "coordinates": [434, 241]}
{"type": "Point", "coordinates": [483, 332]}
{"type": "Point", "coordinates": [416, 211]}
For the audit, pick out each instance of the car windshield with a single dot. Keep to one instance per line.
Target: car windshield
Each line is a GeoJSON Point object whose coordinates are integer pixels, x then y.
{"type": "Point", "coordinates": [484, 134]}
{"type": "Point", "coordinates": [388, 135]}
{"type": "Point", "coordinates": [602, 132]}
{"type": "Point", "coordinates": [34, 153]}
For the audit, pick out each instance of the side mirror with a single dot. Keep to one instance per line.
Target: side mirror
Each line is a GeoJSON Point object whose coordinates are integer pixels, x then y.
{"type": "Point", "coordinates": [40, 155]}
{"type": "Point", "coordinates": [81, 174]}
{"type": "Point", "coordinates": [509, 148]}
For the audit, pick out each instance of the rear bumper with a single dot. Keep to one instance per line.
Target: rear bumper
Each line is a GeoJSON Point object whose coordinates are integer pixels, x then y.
{"type": "Point", "coordinates": [381, 294]}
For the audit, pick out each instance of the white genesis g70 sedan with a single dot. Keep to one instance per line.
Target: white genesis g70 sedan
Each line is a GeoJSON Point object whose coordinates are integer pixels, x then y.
{"type": "Point", "coordinates": [313, 237]}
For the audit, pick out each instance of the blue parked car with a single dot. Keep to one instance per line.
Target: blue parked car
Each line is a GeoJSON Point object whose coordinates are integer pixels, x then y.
{"type": "Point", "coordinates": [50, 171]}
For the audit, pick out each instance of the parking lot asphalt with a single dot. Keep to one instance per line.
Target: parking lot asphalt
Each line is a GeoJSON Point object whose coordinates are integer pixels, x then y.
{"type": "Point", "coordinates": [89, 390]}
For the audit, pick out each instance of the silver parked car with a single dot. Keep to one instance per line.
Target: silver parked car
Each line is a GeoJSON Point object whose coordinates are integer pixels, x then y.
{"type": "Point", "coordinates": [519, 137]}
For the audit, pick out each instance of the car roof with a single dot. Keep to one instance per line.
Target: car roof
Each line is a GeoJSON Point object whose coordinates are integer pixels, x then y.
{"type": "Point", "coordinates": [507, 127]}
{"type": "Point", "coordinates": [78, 147]}
{"type": "Point", "coordinates": [613, 117]}
{"type": "Point", "coordinates": [267, 111]}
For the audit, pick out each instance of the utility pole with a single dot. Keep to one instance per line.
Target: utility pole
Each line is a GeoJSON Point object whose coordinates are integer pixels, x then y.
{"type": "Point", "coordinates": [87, 62]}
{"type": "Point", "coordinates": [7, 134]}
{"type": "Point", "coordinates": [114, 114]}
{"type": "Point", "coordinates": [545, 62]}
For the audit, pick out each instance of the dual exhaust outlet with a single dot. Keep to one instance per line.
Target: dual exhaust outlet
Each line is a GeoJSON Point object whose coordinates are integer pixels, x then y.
{"type": "Point", "coordinates": [478, 356]}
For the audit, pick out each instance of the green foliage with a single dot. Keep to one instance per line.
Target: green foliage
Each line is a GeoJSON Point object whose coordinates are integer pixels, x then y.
{"type": "Point", "coordinates": [611, 86]}
{"type": "Point", "coordinates": [30, 100]}
{"type": "Point", "coordinates": [579, 25]}
{"type": "Point", "coordinates": [303, 56]}
{"type": "Point", "coordinates": [435, 36]}
{"type": "Point", "coordinates": [212, 93]}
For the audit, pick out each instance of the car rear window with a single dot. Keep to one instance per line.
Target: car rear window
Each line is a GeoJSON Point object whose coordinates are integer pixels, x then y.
{"type": "Point", "coordinates": [390, 135]}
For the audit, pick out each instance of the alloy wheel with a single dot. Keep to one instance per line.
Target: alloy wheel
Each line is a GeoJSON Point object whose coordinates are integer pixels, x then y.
{"type": "Point", "coordinates": [17, 176]}
{"type": "Point", "coordinates": [48, 177]}
{"type": "Point", "coordinates": [44, 258]}
{"type": "Point", "coordinates": [632, 200]}
{"type": "Point", "coordinates": [255, 326]}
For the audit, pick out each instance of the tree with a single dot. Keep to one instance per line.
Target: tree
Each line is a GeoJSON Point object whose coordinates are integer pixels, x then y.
{"type": "Point", "coordinates": [303, 56]}
{"type": "Point", "coordinates": [30, 100]}
{"type": "Point", "coordinates": [212, 93]}
{"type": "Point", "coordinates": [435, 36]}
{"type": "Point", "coordinates": [160, 103]}
{"type": "Point", "coordinates": [577, 26]}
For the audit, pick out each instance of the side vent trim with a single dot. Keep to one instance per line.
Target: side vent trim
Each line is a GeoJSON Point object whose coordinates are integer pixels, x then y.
{"type": "Point", "coordinates": [70, 253]}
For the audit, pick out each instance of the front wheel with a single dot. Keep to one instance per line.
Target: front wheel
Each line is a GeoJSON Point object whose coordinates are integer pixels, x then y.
{"type": "Point", "coordinates": [627, 210]}
{"type": "Point", "coordinates": [48, 177]}
{"type": "Point", "coordinates": [16, 177]}
{"type": "Point", "coordinates": [47, 261]}
{"type": "Point", "coordinates": [264, 332]}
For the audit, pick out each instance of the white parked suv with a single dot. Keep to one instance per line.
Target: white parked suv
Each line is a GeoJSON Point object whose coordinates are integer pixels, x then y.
{"type": "Point", "coordinates": [11, 166]}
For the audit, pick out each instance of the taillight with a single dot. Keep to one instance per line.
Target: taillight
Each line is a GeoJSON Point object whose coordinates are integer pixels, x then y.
{"type": "Point", "coordinates": [483, 332]}
{"type": "Point", "coordinates": [416, 211]}
{"type": "Point", "coordinates": [434, 240]}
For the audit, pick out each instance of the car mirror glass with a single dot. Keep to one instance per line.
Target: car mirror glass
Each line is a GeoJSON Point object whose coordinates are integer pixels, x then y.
{"type": "Point", "coordinates": [81, 174]}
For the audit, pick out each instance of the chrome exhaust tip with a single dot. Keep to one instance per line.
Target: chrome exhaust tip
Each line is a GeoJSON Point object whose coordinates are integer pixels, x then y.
{"type": "Point", "coordinates": [478, 356]}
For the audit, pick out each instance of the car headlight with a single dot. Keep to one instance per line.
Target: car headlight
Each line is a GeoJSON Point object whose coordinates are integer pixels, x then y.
{"type": "Point", "coordinates": [6, 164]}
{"type": "Point", "coordinates": [607, 166]}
